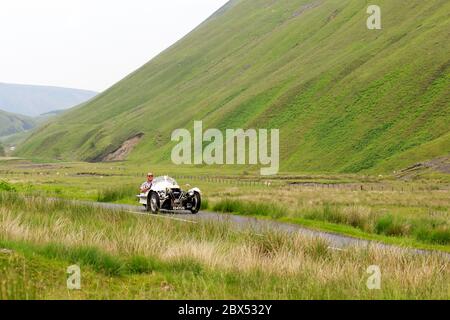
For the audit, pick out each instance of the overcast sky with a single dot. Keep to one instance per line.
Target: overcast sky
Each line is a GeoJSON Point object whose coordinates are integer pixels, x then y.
{"type": "Point", "coordinates": [90, 44]}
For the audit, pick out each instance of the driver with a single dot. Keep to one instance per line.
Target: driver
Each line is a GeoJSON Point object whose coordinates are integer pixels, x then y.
{"type": "Point", "coordinates": [147, 185]}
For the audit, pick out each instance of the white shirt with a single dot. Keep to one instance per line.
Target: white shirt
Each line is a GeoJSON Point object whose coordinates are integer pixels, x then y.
{"type": "Point", "coordinates": [146, 185]}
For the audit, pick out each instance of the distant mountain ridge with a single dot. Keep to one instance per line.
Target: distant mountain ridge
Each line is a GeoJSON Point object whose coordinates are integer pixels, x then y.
{"type": "Point", "coordinates": [32, 100]}
{"type": "Point", "coordinates": [11, 123]}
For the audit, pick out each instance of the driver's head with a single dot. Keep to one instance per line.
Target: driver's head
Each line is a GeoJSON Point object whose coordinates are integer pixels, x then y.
{"type": "Point", "coordinates": [149, 177]}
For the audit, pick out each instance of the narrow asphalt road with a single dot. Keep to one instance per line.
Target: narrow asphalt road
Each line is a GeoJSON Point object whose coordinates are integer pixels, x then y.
{"type": "Point", "coordinates": [336, 241]}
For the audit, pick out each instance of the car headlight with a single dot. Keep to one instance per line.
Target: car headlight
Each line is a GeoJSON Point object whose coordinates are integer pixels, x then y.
{"type": "Point", "coordinates": [161, 193]}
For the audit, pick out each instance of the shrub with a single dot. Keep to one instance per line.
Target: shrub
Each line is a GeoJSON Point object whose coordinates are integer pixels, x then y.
{"type": "Point", "coordinates": [250, 208]}
{"type": "Point", "coordinates": [116, 193]}
{"type": "Point", "coordinates": [5, 186]}
{"type": "Point", "coordinates": [437, 236]}
{"type": "Point", "coordinates": [229, 205]}
{"type": "Point", "coordinates": [204, 205]}
{"type": "Point", "coordinates": [139, 264]}
{"type": "Point", "coordinates": [91, 256]}
{"type": "Point", "coordinates": [350, 216]}
{"type": "Point", "coordinates": [270, 243]}
{"type": "Point", "coordinates": [390, 226]}
{"type": "Point", "coordinates": [317, 248]}
{"type": "Point", "coordinates": [266, 209]}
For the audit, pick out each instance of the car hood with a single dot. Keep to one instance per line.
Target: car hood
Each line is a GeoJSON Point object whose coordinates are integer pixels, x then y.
{"type": "Point", "coordinates": [161, 186]}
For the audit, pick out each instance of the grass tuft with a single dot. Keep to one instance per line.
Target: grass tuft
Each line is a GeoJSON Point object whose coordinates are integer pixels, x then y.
{"type": "Point", "coordinates": [113, 194]}
{"type": "Point", "coordinates": [5, 186]}
{"type": "Point", "coordinates": [249, 208]}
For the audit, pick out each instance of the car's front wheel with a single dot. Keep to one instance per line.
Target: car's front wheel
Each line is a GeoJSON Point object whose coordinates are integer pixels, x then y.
{"type": "Point", "coordinates": [196, 203]}
{"type": "Point", "coordinates": [153, 203]}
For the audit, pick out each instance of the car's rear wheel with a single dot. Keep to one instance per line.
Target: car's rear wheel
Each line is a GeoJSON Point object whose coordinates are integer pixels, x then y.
{"type": "Point", "coordinates": [196, 203]}
{"type": "Point", "coordinates": [153, 203]}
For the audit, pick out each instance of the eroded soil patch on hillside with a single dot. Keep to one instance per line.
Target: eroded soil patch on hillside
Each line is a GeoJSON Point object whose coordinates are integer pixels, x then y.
{"type": "Point", "coordinates": [124, 150]}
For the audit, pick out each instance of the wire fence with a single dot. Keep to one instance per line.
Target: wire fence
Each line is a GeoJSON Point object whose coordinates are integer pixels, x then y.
{"type": "Point", "coordinates": [250, 181]}
{"type": "Point", "coordinates": [312, 185]}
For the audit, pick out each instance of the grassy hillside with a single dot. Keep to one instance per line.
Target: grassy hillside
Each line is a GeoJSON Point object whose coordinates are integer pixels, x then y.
{"type": "Point", "coordinates": [345, 98]}
{"type": "Point", "coordinates": [35, 100]}
{"type": "Point", "coordinates": [11, 123]}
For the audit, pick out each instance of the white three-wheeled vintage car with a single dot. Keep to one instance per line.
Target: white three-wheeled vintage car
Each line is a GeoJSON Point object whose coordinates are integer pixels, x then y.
{"type": "Point", "coordinates": [166, 194]}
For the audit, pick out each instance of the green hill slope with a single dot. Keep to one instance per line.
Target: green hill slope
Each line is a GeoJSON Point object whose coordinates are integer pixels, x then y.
{"type": "Point", "coordinates": [345, 98]}
{"type": "Point", "coordinates": [11, 123]}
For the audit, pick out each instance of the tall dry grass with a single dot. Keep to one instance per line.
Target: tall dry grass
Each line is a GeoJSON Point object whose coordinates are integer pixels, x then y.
{"type": "Point", "coordinates": [225, 261]}
{"type": "Point", "coordinates": [422, 216]}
